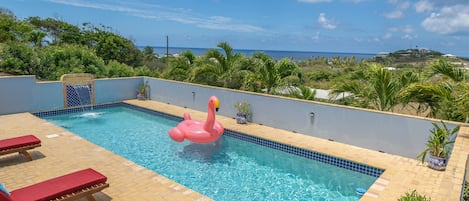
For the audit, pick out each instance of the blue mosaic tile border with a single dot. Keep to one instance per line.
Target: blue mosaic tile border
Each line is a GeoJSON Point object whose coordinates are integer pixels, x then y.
{"type": "Point", "coordinates": [153, 112]}
{"type": "Point", "coordinates": [75, 109]}
{"type": "Point", "coordinates": [350, 165]}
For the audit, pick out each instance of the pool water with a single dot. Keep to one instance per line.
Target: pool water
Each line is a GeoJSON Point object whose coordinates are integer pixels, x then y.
{"type": "Point", "coordinates": [229, 169]}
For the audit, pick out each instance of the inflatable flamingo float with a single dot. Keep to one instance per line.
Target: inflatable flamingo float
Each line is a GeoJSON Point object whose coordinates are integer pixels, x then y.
{"type": "Point", "coordinates": [203, 132]}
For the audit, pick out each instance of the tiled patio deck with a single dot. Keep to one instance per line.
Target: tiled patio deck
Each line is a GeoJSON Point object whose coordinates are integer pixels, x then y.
{"type": "Point", "coordinates": [129, 181]}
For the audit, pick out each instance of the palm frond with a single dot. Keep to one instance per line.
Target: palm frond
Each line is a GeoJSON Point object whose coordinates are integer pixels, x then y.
{"type": "Point", "coordinates": [447, 69]}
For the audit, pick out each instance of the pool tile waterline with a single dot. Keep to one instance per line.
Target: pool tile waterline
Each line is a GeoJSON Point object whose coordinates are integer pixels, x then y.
{"type": "Point", "coordinates": [350, 165]}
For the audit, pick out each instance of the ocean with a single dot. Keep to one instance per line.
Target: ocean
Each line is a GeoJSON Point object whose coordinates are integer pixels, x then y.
{"type": "Point", "coordinates": [275, 54]}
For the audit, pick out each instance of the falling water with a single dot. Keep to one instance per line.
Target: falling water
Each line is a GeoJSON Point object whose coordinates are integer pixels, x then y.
{"type": "Point", "coordinates": [83, 96]}
{"type": "Point", "coordinates": [76, 89]}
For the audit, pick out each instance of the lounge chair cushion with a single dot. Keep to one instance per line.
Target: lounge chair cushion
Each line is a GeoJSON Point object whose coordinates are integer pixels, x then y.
{"type": "Point", "coordinates": [59, 186]}
{"type": "Point", "coordinates": [4, 194]}
{"type": "Point", "coordinates": [4, 197]}
{"type": "Point", "coordinates": [18, 142]}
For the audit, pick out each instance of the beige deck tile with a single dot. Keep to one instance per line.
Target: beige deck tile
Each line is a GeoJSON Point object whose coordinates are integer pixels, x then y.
{"type": "Point", "coordinates": [401, 174]}
{"type": "Point", "coordinates": [129, 181]}
{"type": "Point", "coordinates": [67, 153]}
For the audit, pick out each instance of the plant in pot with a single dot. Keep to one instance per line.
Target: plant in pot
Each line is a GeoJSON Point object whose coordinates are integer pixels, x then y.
{"type": "Point", "coordinates": [243, 112]}
{"type": "Point", "coordinates": [142, 91]}
{"type": "Point", "coordinates": [438, 146]}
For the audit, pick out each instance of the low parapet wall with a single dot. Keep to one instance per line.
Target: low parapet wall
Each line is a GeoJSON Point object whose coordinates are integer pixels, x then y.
{"type": "Point", "coordinates": [392, 133]}
{"type": "Point", "coordinates": [402, 135]}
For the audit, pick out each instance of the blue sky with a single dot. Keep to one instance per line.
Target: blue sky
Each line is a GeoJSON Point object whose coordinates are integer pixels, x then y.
{"type": "Point", "coordinates": [356, 26]}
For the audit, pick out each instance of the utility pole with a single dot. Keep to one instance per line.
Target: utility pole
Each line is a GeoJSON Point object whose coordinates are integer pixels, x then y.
{"type": "Point", "coordinates": [167, 46]}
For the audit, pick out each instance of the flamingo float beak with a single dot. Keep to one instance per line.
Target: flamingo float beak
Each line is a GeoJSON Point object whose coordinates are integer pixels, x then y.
{"type": "Point", "coordinates": [216, 103]}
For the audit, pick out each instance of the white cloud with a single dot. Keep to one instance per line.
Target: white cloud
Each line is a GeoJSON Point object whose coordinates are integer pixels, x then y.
{"type": "Point", "coordinates": [224, 23]}
{"type": "Point", "coordinates": [155, 11]}
{"type": "Point", "coordinates": [355, 1]}
{"type": "Point", "coordinates": [404, 5]}
{"type": "Point", "coordinates": [407, 29]}
{"type": "Point", "coordinates": [358, 39]}
{"type": "Point", "coordinates": [316, 37]}
{"type": "Point", "coordinates": [387, 36]}
{"type": "Point", "coordinates": [400, 8]}
{"type": "Point", "coordinates": [409, 37]}
{"type": "Point", "coordinates": [449, 20]}
{"type": "Point", "coordinates": [406, 32]}
{"type": "Point", "coordinates": [424, 6]}
{"type": "Point", "coordinates": [404, 29]}
{"type": "Point", "coordinates": [396, 14]}
{"type": "Point", "coordinates": [375, 39]}
{"type": "Point", "coordinates": [85, 4]}
{"type": "Point", "coordinates": [326, 23]}
{"type": "Point", "coordinates": [314, 1]}
{"type": "Point", "coordinates": [393, 29]}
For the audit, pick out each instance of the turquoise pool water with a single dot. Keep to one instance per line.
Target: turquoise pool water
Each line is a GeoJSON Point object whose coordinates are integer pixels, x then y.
{"type": "Point", "coordinates": [230, 169]}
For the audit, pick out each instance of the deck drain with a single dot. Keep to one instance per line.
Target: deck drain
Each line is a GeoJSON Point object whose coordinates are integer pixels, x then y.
{"type": "Point", "coordinates": [52, 136]}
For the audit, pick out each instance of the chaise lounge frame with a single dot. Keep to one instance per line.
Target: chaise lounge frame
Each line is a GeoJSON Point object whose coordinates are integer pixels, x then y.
{"type": "Point", "coordinates": [72, 186]}
{"type": "Point", "coordinates": [21, 150]}
{"type": "Point", "coordinates": [84, 193]}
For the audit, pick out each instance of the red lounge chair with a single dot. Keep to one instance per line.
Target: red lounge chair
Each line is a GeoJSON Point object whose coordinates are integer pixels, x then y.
{"type": "Point", "coordinates": [19, 144]}
{"type": "Point", "coordinates": [73, 186]}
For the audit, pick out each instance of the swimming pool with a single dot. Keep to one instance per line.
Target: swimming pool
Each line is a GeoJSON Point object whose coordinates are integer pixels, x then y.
{"type": "Point", "coordinates": [230, 169]}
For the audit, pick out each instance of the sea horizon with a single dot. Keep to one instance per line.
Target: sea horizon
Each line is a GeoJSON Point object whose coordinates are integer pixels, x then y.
{"type": "Point", "coordinates": [275, 54]}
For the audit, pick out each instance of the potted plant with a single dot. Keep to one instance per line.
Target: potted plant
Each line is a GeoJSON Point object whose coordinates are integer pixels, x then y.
{"type": "Point", "coordinates": [142, 91]}
{"type": "Point", "coordinates": [413, 196]}
{"type": "Point", "coordinates": [243, 112]}
{"type": "Point", "coordinates": [438, 146]}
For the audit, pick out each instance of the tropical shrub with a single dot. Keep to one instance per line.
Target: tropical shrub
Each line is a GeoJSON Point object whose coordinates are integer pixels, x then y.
{"type": "Point", "coordinates": [438, 141]}
{"type": "Point", "coordinates": [19, 59]}
{"type": "Point", "coordinates": [59, 60]}
{"type": "Point", "coordinates": [117, 69]}
{"type": "Point", "coordinates": [465, 195]}
{"type": "Point", "coordinates": [413, 196]}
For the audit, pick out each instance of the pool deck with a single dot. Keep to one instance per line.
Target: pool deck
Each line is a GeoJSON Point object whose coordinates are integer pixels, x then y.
{"type": "Point", "coordinates": [68, 152]}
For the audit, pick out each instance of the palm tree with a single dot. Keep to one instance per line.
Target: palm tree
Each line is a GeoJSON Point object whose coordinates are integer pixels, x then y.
{"type": "Point", "coordinates": [462, 101]}
{"type": "Point", "coordinates": [289, 73]}
{"type": "Point", "coordinates": [302, 92]}
{"type": "Point", "coordinates": [266, 71]}
{"type": "Point", "coordinates": [444, 98]}
{"type": "Point", "coordinates": [180, 67]}
{"type": "Point", "coordinates": [428, 97]}
{"type": "Point", "coordinates": [218, 67]}
{"type": "Point", "coordinates": [385, 88]}
{"type": "Point", "coordinates": [445, 68]}
{"type": "Point", "coordinates": [375, 87]}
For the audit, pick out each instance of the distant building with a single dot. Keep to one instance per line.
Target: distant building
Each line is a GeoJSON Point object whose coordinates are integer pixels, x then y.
{"type": "Point", "coordinates": [449, 56]}
{"type": "Point", "coordinates": [383, 54]}
{"type": "Point", "coordinates": [320, 93]}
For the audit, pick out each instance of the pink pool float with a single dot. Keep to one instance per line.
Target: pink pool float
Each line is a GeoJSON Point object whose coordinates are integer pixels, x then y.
{"type": "Point", "coordinates": [197, 131]}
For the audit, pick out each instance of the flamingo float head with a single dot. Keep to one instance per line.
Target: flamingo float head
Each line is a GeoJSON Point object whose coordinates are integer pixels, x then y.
{"type": "Point", "coordinates": [216, 103]}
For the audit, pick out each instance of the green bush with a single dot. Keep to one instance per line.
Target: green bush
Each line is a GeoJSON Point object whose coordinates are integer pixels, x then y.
{"type": "Point", "coordinates": [413, 196]}
{"type": "Point", "coordinates": [117, 69]}
{"type": "Point", "coordinates": [465, 195]}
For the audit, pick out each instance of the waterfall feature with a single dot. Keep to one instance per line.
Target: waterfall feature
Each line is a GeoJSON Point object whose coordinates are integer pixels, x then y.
{"type": "Point", "coordinates": [78, 90]}
{"type": "Point", "coordinates": [79, 95]}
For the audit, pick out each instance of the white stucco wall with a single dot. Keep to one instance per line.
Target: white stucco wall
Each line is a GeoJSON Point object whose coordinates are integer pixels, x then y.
{"type": "Point", "coordinates": [391, 133]}
{"type": "Point", "coordinates": [116, 89]}
{"type": "Point", "coordinates": [24, 94]}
